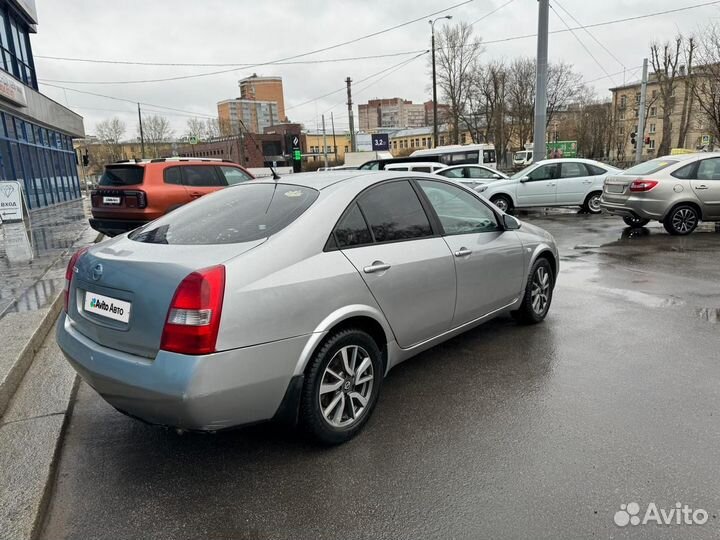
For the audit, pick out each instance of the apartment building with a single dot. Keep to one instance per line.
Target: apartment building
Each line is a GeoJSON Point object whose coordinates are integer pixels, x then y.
{"type": "Point", "coordinates": [236, 115]}
{"type": "Point", "coordinates": [269, 89]}
{"type": "Point", "coordinates": [390, 113]}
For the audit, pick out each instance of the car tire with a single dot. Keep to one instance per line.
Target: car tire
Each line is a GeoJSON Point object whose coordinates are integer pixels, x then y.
{"type": "Point", "coordinates": [592, 203]}
{"type": "Point", "coordinates": [334, 365]}
{"type": "Point", "coordinates": [503, 202]}
{"type": "Point", "coordinates": [538, 294]}
{"type": "Point", "coordinates": [681, 220]}
{"type": "Point", "coordinates": [635, 222]}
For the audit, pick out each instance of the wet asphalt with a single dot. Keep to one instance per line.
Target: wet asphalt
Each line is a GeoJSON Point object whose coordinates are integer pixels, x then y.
{"type": "Point", "coordinates": [503, 432]}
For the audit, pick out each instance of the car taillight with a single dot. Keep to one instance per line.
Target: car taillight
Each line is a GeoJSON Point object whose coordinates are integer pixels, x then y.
{"type": "Point", "coordinates": [70, 272]}
{"type": "Point", "coordinates": [643, 185]}
{"type": "Point", "coordinates": [135, 199]}
{"type": "Point", "coordinates": [193, 319]}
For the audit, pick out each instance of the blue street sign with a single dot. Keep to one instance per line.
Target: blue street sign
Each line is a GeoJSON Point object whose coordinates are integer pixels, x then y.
{"type": "Point", "coordinates": [380, 141]}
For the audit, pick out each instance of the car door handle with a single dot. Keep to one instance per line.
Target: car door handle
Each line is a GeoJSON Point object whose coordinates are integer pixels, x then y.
{"type": "Point", "coordinates": [377, 266]}
{"type": "Point", "coordinates": [462, 252]}
{"type": "Point", "coordinates": [701, 186]}
{"type": "Point", "coordinates": [195, 194]}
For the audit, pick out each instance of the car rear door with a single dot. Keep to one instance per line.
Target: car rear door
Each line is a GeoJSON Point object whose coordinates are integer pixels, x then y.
{"type": "Point", "coordinates": [489, 261]}
{"type": "Point", "coordinates": [706, 186]}
{"type": "Point", "coordinates": [540, 187]}
{"type": "Point", "coordinates": [201, 179]}
{"type": "Point", "coordinates": [405, 264]}
{"type": "Point", "coordinates": [574, 183]}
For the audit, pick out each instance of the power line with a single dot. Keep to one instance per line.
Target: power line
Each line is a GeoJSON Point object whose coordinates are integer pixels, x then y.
{"type": "Point", "coordinates": [589, 33]}
{"type": "Point", "coordinates": [491, 12]}
{"type": "Point", "coordinates": [582, 44]}
{"type": "Point", "coordinates": [323, 49]}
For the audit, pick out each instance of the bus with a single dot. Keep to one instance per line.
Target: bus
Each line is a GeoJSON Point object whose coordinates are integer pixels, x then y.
{"type": "Point", "coordinates": [461, 154]}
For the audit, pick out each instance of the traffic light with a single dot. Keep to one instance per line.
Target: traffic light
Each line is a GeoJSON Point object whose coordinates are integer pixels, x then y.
{"type": "Point", "coordinates": [647, 140]}
{"type": "Point", "coordinates": [633, 141]}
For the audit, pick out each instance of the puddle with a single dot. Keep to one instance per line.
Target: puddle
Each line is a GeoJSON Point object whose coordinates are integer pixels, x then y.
{"type": "Point", "coordinates": [709, 314]}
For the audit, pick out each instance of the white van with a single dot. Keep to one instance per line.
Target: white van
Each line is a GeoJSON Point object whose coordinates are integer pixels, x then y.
{"type": "Point", "coordinates": [462, 154]}
{"type": "Point", "coordinates": [415, 166]}
{"type": "Point", "coordinates": [522, 158]}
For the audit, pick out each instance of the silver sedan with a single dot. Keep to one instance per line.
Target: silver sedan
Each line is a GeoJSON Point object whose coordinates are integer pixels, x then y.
{"type": "Point", "coordinates": [292, 299]}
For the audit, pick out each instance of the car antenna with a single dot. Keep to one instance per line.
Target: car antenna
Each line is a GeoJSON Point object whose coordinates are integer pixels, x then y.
{"type": "Point", "coordinates": [275, 175]}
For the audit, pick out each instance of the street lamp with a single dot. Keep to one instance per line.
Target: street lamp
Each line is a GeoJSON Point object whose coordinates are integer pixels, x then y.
{"type": "Point", "coordinates": [435, 123]}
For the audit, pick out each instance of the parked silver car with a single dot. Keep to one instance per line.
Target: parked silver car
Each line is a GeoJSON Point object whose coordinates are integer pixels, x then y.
{"type": "Point", "coordinates": [678, 190]}
{"type": "Point", "coordinates": [552, 182]}
{"type": "Point", "coordinates": [294, 298]}
{"type": "Point", "coordinates": [471, 176]}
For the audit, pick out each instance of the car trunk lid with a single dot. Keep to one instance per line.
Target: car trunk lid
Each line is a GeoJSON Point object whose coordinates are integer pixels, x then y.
{"type": "Point", "coordinates": [122, 290]}
{"type": "Point", "coordinates": [617, 187]}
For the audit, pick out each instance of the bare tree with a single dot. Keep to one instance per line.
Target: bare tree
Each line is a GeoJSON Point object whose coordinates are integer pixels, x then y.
{"type": "Point", "coordinates": [563, 88]}
{"type": "Point", "coordinates": [156, 130]}
{"type": "Point", "coordinates": [212, 128]}
{"type": "Point", "coordinates": [520, 94]}
{"type": "Point", "coordinates": [456, 53]}
{"type": "Point", "coordinates": [472, 115]}
{"type": "Point", "coordinates": [110, 132]}
{"type": "Point", "coordinates": [195, 128]}
{"type": "Point", "coordinates": [594, 128]}
{"type": "Point", "coordinates": [667, 69]}
{"type": "Point", "coordinates": [706, 79]}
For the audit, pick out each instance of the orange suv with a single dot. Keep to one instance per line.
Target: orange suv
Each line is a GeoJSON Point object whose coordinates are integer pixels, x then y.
{"type": "Point", "coordinates": [132, 193]}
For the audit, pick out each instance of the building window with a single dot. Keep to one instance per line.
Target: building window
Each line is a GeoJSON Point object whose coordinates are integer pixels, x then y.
{"type": "Point", "coordinates": [622, 115]}
{"type": "Point", "coordinates": [653, 111]}
{"type": "Point", "coordinates": [635, 113]}
{"type": "Point", "coordinates": [621, 131]}
{"type": "Point", "coordinates": [637, 97]}
{"type": "Point", "coordinates": [623, 100]}
{"type": "Point", "coordinates": [652, 144]}
{"type": "Point", "coordinates": [346, 149]}
{"type": "Point", "coordinates": [654, 94]}
{"type": "Point", "coordinates": [394, 145]}
{"type": "Point", "coordinates": [652, 128]}
{"type": "Point", "coordinates": [412, 143]}
{"type": "Point", "coordinates": [16, 57]}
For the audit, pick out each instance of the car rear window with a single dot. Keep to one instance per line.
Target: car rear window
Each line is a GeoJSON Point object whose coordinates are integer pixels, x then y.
{"type": "Point", "coordinates": [123, 175]}
{"type": "Point", "coordinates": [242, 213]}
{"type": "Point", "coordinates": [649, 167]}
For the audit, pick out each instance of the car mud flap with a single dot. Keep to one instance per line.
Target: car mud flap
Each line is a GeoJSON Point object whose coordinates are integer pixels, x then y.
{"type": "Point", "coordinates": [287, 413]}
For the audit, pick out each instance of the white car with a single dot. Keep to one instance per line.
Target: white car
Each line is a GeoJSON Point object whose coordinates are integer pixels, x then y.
{"type": "Point", "coordinates": [471, 176]}
{"type": "Point", "coordinates": [551, 182]}
{"type": "Point", "coordinates": [415, 166]}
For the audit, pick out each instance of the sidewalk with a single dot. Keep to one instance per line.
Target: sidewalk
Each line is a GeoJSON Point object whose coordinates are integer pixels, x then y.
{"type": "Point", "coordinates": [32, 268]}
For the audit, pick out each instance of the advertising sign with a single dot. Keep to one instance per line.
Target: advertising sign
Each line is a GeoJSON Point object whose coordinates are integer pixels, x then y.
{"type": "Point", "coordinates": [11, 202]}
{"type": "Point", "coordinates": [380, 141]}
{"type": "Point", "coordinates": [560, 149]}
{"type": "Point", "coordinates": [12, 90]}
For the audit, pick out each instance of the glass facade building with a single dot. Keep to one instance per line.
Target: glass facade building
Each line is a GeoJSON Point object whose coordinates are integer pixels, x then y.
{"type": "Point", "coordinates": [35, 132]}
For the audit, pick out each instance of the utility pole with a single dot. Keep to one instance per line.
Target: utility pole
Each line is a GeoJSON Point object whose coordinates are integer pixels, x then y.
{"type": "Point", "coordinates": [353, 147]}
{"type": "Point", "coordinates": [434, 77]}
{"type": "Point", "coordinates": [541, 62]}
{"type": "Point", "coordinates": [142, 137]}
{"type": "Point", "coordinates": [324, 142]}
{"type": "Point", "coordinates": [332, 123]}
{"type": "Point", "coordinates": [641, 114]}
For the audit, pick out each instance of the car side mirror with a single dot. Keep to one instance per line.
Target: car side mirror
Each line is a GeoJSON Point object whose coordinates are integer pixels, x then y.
{"type": "Point", "coordinates": [510, 223]}
{"type": "Point", "coordinates": [524, 179]}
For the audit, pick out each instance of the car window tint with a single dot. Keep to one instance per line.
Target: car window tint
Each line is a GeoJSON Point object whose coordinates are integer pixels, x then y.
{"type": "Point", "coordinates": [459, 211]}
{"type": "Point", "coordinates": [478, 172]}
{"type": "Point", "coordinates": [247, 212]}
{"type": "Point", "coordinates": [595, 170]}
{"type": "Point", "coordinates": [452, 173]}
{"type": "Point", "coordinates": [649, 167]}
{"type": "Point", "coordinates": [708, 169]}
{"type": "Point", "coordinates": [233, 175]}
{"type": "Point", "coordinates": [172, 175]}
{"type": "Point", "coordinates": [201, 176]}
{"type": "Point", "coordinates": [394, 212]}
{"type": "Point", "coordinates": [352, 230]}
{"type": "Point", "coordinates": [123, 175]}
{"type": "Point", "coordinates": [572, 169]}
{"type": "Point", "coordinates": [686, 172]}
{"type": "Point", "coordinates": [544, 172]}
{"type": "Point", "coordinates": [421, 169]}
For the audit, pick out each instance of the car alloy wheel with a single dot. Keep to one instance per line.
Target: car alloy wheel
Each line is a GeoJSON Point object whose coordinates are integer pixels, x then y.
{"type": "Point", "coordinates": [684, 220]}
{"type": "Point", "coordinates": [540, 290]}
{"type": "Point", "coordinates": [502, 203]}
{"type": "Point", "coordinates": [593, 203]}
{"type": "Point", "coordinates": [346, 386]}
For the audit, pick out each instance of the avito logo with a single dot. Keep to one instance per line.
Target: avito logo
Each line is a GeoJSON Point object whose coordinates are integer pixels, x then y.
{"type": "Point", "coordinates": [629, 514]}
{"type": "Point", "coordinates": [104, 306]}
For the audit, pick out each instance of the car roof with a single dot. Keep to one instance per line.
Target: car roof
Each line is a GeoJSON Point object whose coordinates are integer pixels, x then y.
{"type": "Point", "coordinates": [415, 164]}
{"type": "Point", "coordinates": [468, 165]}
{"type": "Point", "coordinates": [351, 179]}
{"type": "Point", "coordinates": [573, 160]}
{"type": "Point", "coordinates": [690, 156]}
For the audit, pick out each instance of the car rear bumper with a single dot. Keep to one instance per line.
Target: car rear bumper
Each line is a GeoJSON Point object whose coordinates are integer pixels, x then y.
{"type": "Point", "coordinates": [201, 393]}
{"type": "Point", "coordinates": [634, 207]}
{"type": "Point", "coordinates": [114, 227]}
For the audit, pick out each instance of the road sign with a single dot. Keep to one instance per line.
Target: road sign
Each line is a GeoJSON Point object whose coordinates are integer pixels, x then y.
{"type": "Point", "coordinates": [705, 140]}
{"type": "Point", "coordinates": [11, 201]}
{"type": "Point", "coordinates": [193, 140]}
{"type": "Point", "coordinates": [380, 141]}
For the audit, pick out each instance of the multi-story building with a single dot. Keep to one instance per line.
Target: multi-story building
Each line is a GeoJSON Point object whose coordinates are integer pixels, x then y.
{"type": "Point", "coordinates": [314, 142]}
{"type": "Point", "coordinates": [406, 141]}
{"type": "Point", "coordinates": [626, 107]}
{"type": "Point", "coordinates": [443, 112]}
{"type": "Point", "coordinates": [390, 113]}
{"type": "Point", "coordinates": [35, 132]}
{"type": "Point", "coordinates": [264, 89]}
{"type": "Point", "coordinates": [236, 115]}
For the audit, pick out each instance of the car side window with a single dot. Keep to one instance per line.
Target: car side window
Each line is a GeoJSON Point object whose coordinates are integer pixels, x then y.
{"type": "Point", "coordinates": [459, 212]}
{"type": "Point", "coordinates": [709, 169]}
{"type": "Point", "coordinates": [452, 173]}
{"type": "Point", "coordinates": [352, 230]}
{"type": "Point", "coordinates": [478, 172]}
{"type": "Point", "coordinates": [572, 169]}
{"type": "Point", "coordinates": [595, 170]}
{"type": "Point", "coordinates": [233, 175]}
{"type": "Point", "coordinates": [544, 172]}
{"type": "Point", "coordinates": [202, 176]}
{"type": "Point", "coordinates": [421, 169]}
{"type": "Point", "coordinates": [172, 175]}
{"type": "Point", "coordinates": [685, 173]}
{"type": "Point", "coordinates": [394, 212]}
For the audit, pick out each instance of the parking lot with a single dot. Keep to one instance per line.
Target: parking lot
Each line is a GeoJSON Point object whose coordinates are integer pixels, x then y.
{"type": "Point", "coordinates": [506, 431]}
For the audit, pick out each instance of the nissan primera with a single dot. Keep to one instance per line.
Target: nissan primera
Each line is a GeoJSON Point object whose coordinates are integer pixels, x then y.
{"type": "Point", "coordinates": [292, 299]}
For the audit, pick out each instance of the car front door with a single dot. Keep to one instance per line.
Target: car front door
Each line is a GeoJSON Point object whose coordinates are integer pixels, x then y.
{"type": "Point", "coordinates": [538, 188]}
{"type": "Point", "coordinates": [574, 183]}
{"type": "Point", "coordinates": [234, 175]}
{"type": "Point", "coordinates": [405, 263]}
{"type": "Point", "coordinates": [489, 261]}
{"type": "Point", "coordinates": [200, 180]}
{"type": "Point", "coordinates": [706, 186]}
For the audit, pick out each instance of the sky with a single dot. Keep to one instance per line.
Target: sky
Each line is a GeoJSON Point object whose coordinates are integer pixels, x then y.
{"type": "Point", "coordinates": [259, 31]}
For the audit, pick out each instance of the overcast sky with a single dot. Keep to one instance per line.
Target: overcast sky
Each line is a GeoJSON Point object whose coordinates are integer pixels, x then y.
{"type": "Point", "coordinates": [244, 31]}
